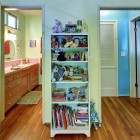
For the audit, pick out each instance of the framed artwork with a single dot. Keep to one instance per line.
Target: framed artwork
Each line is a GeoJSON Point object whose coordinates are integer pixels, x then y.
{"type": "Point", "coordinates": [41, 45]}
{"type": "Point", "coordinates": [32, 43]}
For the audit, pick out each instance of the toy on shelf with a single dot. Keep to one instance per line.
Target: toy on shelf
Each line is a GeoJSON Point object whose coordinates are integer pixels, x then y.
{"type": "Point", "coordinates": [81, 95]}
{"type": "Point", "coordinates": [94, 115]}
{"type": "Point", "coordinates": [70, 96]}
{"type": "Point", "coordinates": [68, 72]}
{"type": "Point", "coordinates": [85, 76]}
{"type": "Point", "coordinates": [54, 43]}
{"type": "Point", "coordinates": [79, 26]}
{"type": "Point", "coordinates": [61, 41]}
{"type": "Point", "coordinates": [84, 27]}
{"type": "Point", "coordinates": [61, 56]}
{"type": "Point", "coordinates": [57, 73]}
{"type": "Point", "coordinates": [68, 41]}
{"type": "Point", "coordinates": [83, 42]}
{"type": "Point", "coordinates": [57, 27]}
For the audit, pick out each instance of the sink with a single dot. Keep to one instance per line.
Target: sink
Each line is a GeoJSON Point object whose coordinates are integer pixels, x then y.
{"type": "Point", "coordinates": [15, 68]}
{"type": "Point", "coordinates": [23, 65]}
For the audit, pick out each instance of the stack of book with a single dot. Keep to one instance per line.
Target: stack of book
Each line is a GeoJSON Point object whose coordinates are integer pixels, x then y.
{"type": "Point", "coordinates": [82, 117]}
{"type": "Point", "coordinates": [58, 96]}
{"type": "Point", "coordinates": [64, 116]}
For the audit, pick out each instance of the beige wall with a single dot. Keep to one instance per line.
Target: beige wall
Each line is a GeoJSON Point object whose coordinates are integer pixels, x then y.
{"type": "Point", "coordinates": [34, 32]}
{"type": "Point", "coordinates": [66, 10]}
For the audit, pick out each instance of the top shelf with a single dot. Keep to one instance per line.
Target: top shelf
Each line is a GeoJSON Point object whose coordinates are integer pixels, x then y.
{"type": "Point", "coordinates": [69, 34]}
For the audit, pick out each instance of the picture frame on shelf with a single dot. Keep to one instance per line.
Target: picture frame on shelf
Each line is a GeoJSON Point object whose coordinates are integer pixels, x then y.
{"type": "Point", "coordinates": [70, 28]}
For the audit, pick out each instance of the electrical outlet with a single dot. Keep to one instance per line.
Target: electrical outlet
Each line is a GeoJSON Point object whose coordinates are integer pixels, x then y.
{"type": "Point", "coordinates": [123, 53]}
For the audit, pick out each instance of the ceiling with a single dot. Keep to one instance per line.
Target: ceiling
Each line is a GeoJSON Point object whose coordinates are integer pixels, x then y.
{"type": "Point", "coordinates": [31, 12]}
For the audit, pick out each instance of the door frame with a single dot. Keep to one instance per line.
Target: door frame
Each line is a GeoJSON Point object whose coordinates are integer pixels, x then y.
{"type": "Point", "coordinates": [2, 97]}
{"type": "Point", "coordinates": [132, 56]}
{"type": "Point", "coordinates": [44, 96]}
{"type": "Point", "coordinates": [115, 23]}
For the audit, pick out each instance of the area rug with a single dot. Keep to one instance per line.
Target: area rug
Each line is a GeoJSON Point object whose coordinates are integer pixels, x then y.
{"type": "Point", "coordinates": [30, 98]}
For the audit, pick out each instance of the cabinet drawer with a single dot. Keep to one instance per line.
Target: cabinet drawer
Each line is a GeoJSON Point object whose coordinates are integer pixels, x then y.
{"type": "Point", "coordinates": [35, 67]}
{"type": "Point", "coordinates": [34, 78]}
{"type": "Point", "coordinates": [12, 92]}
{"type": "Point", "coordinates": [9, 78]}
{"type": "Point", "coordinates": [17, 75]}
{"type": "Point", "coordinates": [13, 84]}
{"type": "Point", "coordinates": [34, 83]}
{"type": "Point", "coordinates": [25, 72]}
{"type": "Point", "coordinates": [11, 102]}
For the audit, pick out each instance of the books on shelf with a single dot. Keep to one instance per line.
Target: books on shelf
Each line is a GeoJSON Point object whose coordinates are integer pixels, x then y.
{"type": "Point", "coordinates": [73, 94]}
{"type": "Point", "coordinates": [64, 116]}
{"type": "Point", "coordinates": [58, 95]}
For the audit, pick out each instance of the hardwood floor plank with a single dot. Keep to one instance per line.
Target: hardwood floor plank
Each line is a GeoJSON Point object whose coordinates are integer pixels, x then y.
{"type": "Point", "coordinates": [120, 121]}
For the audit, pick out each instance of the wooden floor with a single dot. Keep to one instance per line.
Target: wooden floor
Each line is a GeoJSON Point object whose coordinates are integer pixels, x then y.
{"type": "Point", "coordinates": [120, 121]}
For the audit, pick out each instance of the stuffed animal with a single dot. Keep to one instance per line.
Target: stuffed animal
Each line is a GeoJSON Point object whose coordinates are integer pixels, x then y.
{"type": "Point", "coordinates": [78, 70]}
{"type": "Point", "coordinates": [61, 56]}
{"type": "Point", "coordinates": [70, 96]}
{"type": "Point", "coordinates": [56, 75]}
{"type": "Point", "coordinates": [81, 95]}
{"type": "Point", "coordinates": [85, 76]}
{"type": "Point", "coordinates": [68, 72]}
{"type": "Point", "coordinates": [54, 43]}
{"type": "Point", "coordinates": [84, 42]}
{"type": "Point", "coordinates": [76, 56]}
{"type": "Point", "coordinates": [57, 27]}
{"type": "Point", "coordinates": [61, 41]}
{"type": "Point", "coordinates": [68, 41]}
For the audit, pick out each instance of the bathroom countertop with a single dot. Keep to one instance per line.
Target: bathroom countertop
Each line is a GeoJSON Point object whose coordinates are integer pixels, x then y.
{"type": "Point", "coordinates": [20, 67]}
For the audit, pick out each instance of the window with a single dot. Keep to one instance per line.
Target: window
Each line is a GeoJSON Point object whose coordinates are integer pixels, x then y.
{"type": "Point", "coordinates": [11, 20]}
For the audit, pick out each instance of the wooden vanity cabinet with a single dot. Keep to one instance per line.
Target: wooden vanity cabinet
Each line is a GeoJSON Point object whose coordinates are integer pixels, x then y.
{"type": "Point", "coordinates": [33, 77]}
{"type": "Point", "coordinates": [19, 83]}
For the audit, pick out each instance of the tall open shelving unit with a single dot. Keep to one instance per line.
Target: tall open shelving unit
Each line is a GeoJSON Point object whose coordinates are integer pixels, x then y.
{"type": "Point", "coordinates": [70, 103]}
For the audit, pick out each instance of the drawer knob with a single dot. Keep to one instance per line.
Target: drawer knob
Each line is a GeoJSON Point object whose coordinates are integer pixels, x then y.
{"type": "Point", "coordinates": [9, 103]}
{"type": "Point", "coordinates": [9, 86]}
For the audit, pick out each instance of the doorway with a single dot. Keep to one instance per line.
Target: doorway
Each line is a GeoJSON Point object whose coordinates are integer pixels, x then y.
{"type": "Point", "coordinates": [122, 17]}
{"type": "Point", "coordinates": [29, 15]}
{"type": "Point", "coordinates": [108, 58]}
{"type": "Point", "coordinates": [135, 63]}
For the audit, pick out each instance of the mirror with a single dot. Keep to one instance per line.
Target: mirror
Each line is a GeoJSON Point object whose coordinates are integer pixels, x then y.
{"type": "Point", "coordinates": [9, 49]}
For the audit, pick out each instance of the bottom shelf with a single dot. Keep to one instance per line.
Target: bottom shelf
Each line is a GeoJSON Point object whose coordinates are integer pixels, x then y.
{"type": "Point", "coordinates": [71, 130]}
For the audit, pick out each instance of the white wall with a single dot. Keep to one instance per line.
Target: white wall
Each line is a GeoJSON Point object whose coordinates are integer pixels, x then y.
{"type": "Point", "coordinates": [66, 10]}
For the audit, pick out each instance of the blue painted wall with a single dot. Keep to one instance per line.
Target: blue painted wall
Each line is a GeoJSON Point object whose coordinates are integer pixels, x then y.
{"type": "Point", "coordinates": [133, 13]}
{"type": "Point", "coordinates": [121, 16]}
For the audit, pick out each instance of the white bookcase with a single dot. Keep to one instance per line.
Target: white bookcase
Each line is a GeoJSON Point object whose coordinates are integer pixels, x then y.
{"type": "Point", "coordinates": [70, 101]}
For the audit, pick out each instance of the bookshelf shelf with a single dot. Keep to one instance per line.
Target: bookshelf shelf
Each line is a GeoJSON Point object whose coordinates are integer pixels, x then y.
{"type": "Point", "coordinates": [69, 82]}
{"type": "Point", "coordinates": [70, 103]}
{"type": "Point", "coordinates": [69, 61]}
{"type": "Point", "coordinates": [72, 128]}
